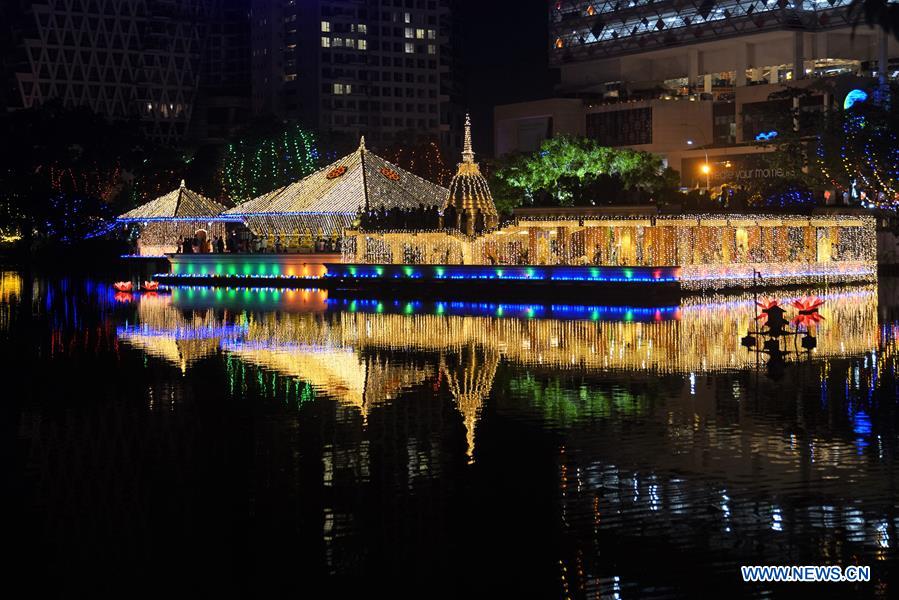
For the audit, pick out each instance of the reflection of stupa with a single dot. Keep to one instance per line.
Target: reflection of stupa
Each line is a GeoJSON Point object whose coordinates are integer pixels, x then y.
{"type": "Point", "coordinates": [469, 193]}
{"type": "Point", "coordinates": [470, 378]}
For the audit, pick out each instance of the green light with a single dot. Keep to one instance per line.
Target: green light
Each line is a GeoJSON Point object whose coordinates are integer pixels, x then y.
{"type": "Point", "coordinates": [409, 309]}
{"type": "Point", "coordinates": [219, 269]}
{"type": "Point", "coordinates": [190, 294]}
{"type": "Point", "coordinates": [379, 271]}
{"type": "Point", "coordinates": [595, 315]}
{"type": "Point", "coordinates": [204, 270]}
{"type": "Point", "coordinates": [276, 270]}
{"type": "Point", "coordinates": [530, 272]}
{"type": "Point", "coordinates": [353, 273]}
{"type": "Point", "coordinates": [175, 268]}
{"type": "Point", "coordinates": [232, 269]}
{"type": "Point", "coordinates": [380, 308]}
{"type": "Point", "coordinates": [190, 268]}
{"type": "Point", "coordinates": [499, 272]}
{"type": "Point", "coordinates": [261, 269]}
{"type": "Point", "coordinates": [262, 295]}
{"type": "Point", "coordinates": [499, 311]}
{"type": "Point", "coordinates": [530, 312]}
{"type": "Point", "coordinates": [407, 271]}
{"type": "Point", "coordinates": [629, 316]}
{"type": "Point", "coordinates": [440, 271]}
{"type": "Point", "coordinates": [594, 273]}
{"type": "Point", "coordinates": [247, 269]}
{"type": "Point", "coordinates": [440, 309]}
{"type": "Point", "coordinates": [628, 273]}
{"type": "Point", "coordinates": [353, 306]}
{"type": "Point", "coordinates": [219, 294]}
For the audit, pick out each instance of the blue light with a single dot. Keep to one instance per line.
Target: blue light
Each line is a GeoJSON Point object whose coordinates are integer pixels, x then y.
{"type": "Point", "coordinates": [853, 97]}
{"type": "Point", "coordinates": [766, 136]}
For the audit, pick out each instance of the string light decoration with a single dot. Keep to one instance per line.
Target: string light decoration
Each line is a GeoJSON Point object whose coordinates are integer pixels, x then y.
{"type": "Point", "coordinates": [469, 192]}
{"type": "Point", "coordinates": [252, 167]}
{"type": "Point", "coordinates": [424, 160]}
{"type": "Point", "coordinates": [165, 221]}
{"type": "Point", "coordinates": [323, 206]}
{"type": "Point", "coordinates": [712, 251]}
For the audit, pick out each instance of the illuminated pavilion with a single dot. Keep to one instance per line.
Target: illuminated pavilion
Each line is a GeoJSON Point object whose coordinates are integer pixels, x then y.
{"type": "Point", "coordinates": [329, 200]}
{"type": "Point", "coordinates": [164, 221]}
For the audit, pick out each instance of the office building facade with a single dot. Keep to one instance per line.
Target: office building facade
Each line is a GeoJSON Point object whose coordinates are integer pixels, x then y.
{"type": "Point", "coordinates": [379, 68]}
{"type": "Point", "coordinates": [691, 80]}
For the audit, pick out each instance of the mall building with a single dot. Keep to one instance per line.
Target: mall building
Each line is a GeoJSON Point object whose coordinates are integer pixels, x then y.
{"type": "Point", "coordinates": [692, 80]}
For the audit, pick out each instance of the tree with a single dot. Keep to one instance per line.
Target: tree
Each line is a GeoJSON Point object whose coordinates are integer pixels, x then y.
{"type": "Point", "coordinates": [883, 14]}
{"type": "Point", "coordinates": [62, 171]}
{"type": "Point", "coordinates": [569, 171]}
{"type": "Point", "coordinates": [842, 148]}
{"type": "Point", "coordinates": [422, 158]}
{"type": "Point", "coordinates": [266, 155]}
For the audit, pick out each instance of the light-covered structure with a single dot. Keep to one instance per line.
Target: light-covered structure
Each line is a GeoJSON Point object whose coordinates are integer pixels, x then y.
{"type": "Point", "coordinates": [469, 193]}
{"type": "Point", "coordinates": [699, 251]}
{"type": "Point", "coordinates": [164, 221]}
{"type": "Point", "coordinates": [329, 200]}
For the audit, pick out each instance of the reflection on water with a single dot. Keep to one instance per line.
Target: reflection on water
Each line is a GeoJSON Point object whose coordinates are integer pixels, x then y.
{"type": "Point", "coordinates": [588, 451]}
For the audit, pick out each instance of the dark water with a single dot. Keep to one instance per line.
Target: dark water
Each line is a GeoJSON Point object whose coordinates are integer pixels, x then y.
{"type": "Point", "coordinates": [252, 442]}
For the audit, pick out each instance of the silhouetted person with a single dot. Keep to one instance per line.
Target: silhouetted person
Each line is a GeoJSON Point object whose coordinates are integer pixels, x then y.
{"type": "Point", "coordinates": [219, 245]}
{"type": "Point", "coordinates": [187, 246]}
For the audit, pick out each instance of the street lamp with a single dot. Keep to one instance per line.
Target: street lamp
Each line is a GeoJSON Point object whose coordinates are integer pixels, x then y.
{"type": "Point", "coordinates": [706, 168]}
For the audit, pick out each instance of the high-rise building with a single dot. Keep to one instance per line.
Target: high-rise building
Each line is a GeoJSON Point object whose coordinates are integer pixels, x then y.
{"type": "Point", "coordinates": [126, 59]}
{"type": "Point", "coordinates": [690, 80]}
{"type": "Point", "coordinates": [382, 68]}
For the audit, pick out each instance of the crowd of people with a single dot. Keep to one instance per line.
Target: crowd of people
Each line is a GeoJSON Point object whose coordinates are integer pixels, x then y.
{"type": "Point", "coordinates": [423, 218]}
{"type": "Point", "coordinates": [380, 219]}
{"type": "Point", "coordinates": [242, 244]}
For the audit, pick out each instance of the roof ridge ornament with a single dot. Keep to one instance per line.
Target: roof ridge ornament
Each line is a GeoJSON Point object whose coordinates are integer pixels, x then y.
{"type": "Point", "coordinates": [183, 184]}
{"type": "Point", "coordinates": [362, 144]}
{"type": "Point", "coordinates": [467, 152]}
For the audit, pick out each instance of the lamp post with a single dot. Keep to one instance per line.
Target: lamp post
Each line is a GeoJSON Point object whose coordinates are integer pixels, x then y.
{"type": "Point", "coordinates": [706, 168]}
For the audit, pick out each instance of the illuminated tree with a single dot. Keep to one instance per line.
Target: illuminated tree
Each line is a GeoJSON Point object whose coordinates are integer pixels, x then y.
{"type": "Point", "coordinates": [422, 158]}
{"type": "Point", "coordinates": [570, 171]}
{"type": "Point", "coordinates": [266, 156]}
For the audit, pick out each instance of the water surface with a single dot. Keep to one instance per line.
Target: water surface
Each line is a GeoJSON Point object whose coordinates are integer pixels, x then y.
{"type": "Point", "coordinates": [248, 442]}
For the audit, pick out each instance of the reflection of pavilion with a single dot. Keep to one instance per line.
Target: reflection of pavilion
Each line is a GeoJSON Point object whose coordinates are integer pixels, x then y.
{"type": "Point", "coordinates": [167, 333]}
{"type": "Point", "coordinates": [350, 356]}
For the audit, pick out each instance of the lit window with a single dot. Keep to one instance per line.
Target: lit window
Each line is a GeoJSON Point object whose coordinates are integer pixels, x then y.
{"type": "Point", "coordinates": [362, 28]}
{"type": "Point", "coordinates": [290, 77]}
{"type": "Point", "coordinates": [432, 34]}
{"type": "Point", "coordinates": [361, 44]}
{"type": "Point", "coordinates": [337, 88]}
{"type": "Point", "coordinates": [326, 26]}
{"type": "Point", "coordinates": [407, 18]}
{"type": "Point", "coordinates": [420, 34]}
{"type": "Point", "coordinates": [432, 49]}
{"type": "Point", "coordinates": [350, 43]}
{"type": "Point", "coordinates": [410, 48]}
{"type": "Point", "coordinates": [337, 42]}
{"type": "Point", "coordinates": [410, 32]}
{"type": "Point", "coordinates": [326, 42]}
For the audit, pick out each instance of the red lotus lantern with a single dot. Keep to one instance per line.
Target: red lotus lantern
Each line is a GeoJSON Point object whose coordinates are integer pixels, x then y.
{"type": "Point", "coordinates": [150, 286]}
{"type": "Point", "coordinates": [766, 308]}
{"type": "Point", "coordinates": [123, 297]}
{"type": "Point", "coordinates": [808, 311]}
{"type": "Point", "coordinates": [123, 286]}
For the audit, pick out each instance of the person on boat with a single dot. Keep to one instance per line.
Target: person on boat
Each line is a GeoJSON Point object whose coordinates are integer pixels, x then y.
{"type": "Point", "coordinates": [187, 245]}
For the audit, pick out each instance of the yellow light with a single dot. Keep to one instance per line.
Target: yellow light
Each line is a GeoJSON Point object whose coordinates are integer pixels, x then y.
{"type": "Point", "coordinates": [706, 169]}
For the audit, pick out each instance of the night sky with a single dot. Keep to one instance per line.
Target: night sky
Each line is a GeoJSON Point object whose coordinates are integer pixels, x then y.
{"type": "Point", "coordinates": [505, 54]}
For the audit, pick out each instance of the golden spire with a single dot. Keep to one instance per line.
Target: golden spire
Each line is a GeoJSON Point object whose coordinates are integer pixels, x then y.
{"type": "Point", "coordinates": [467, 152]}
{"type": "Point", "coordinates": [362, 144]}
{"type": "Point", "coordinates": [183, 184]}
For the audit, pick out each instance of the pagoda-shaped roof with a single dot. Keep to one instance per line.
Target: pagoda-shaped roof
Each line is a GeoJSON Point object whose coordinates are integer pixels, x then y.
{"type": "Point", "coordinates": [468, 188]}
{"type": "Point", "coordinates": [181, 204]}
{"type": "Point", "coordinates": [359, 180]}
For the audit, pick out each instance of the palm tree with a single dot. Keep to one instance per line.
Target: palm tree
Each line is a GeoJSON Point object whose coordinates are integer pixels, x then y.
{"type": "Point", "coordinates": [883, 14]}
